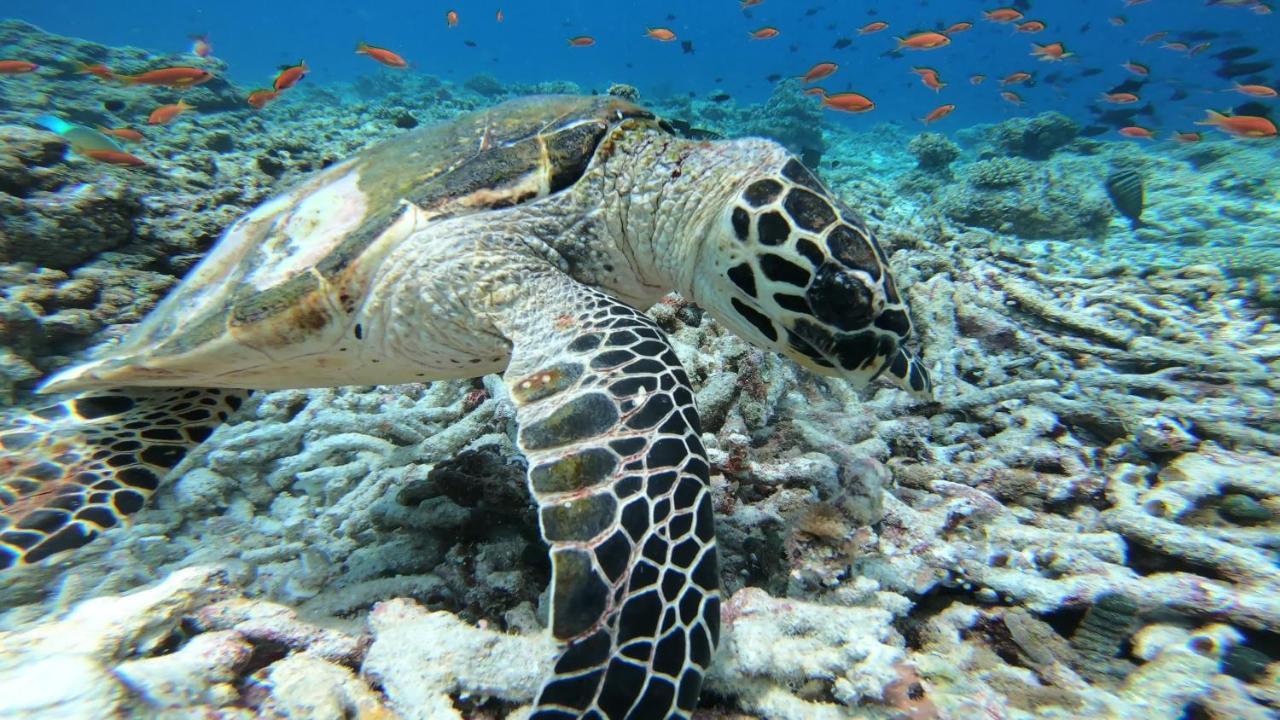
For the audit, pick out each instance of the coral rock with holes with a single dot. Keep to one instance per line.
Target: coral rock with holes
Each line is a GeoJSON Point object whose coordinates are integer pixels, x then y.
{"type": "Point", "coordinates": [1104, 430]}
{"type": "Point", "coordinates": [497, 243]}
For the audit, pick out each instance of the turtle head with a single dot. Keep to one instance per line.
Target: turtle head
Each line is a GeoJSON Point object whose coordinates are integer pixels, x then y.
{"type": "Point", "coordinates": [789, 267]}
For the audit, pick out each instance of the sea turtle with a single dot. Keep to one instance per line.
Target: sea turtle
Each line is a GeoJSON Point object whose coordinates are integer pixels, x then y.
{"type": "Point", "coordinates": [519, 239]}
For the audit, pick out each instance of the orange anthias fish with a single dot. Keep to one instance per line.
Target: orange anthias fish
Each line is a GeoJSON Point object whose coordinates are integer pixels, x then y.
{"type": "Point", "coordinates": [1012, 97]}
{"type": "Point", "coordinates": [1118, 20]}
{"type": "Point", "coordinates": [923, 41]}
{"type": "Point", "coordinates": [1053, 52]}
{"type": "Point", "coordinates": [1262, 91]}
{"type": "Point", "coordinates": [99, 71]}
{"type": "Point", "coordinates": [1002, 15]}
{"type": "Point", "coordinates": [114, 157]}
{"type": "Point", "coordinates": [451, 18]}
{"type": "Point", "coordinates": [749, 3]}
{"type": "Point", "coordinates": [165, 114]}
{"type": "Point", "coordinates": [1030, 26]}
{"type": "Point", "coordinates": [382, 55]}
{"type": "Point", "coordinates": [582, 41]}
{"type": "Point", "coordinates": [17, 67]}
{"type": "Point", "coordinates": [1119, 98]}
{"type": "Point", "coordinates": [872, 27]}
{"type": "Point", "coordinates": [820, 71]}
{"type": "Point", "coordinates": [1175, 46]}
{"type": "Point", "coordinates": [1188, 137]}
{"type": "Point", "coordinates": [1153, 37]}
{"type": "Point", "coordinates": [200, 46]}
{"type": "Point", "coordinates": [1245, 126]}
{"type": "Point", "coordinates": [660, 34]}
{"type": "Point", "coordinates": [1015, 78]}
{"type": "Point", "coordinates": [1136, 68]}
{"type": "Point", "coordinates": [289, 76]}
{"type": "Point", "coordinates": [259, 98]}
{"type": "Point", "coordinates": [176, 77]}
{"type": "Point", "coordinates": [977, 79]}
{"type": "Point", "coordinates": [1136, 131]}
{"type": "Point", "coordinates": [499, 16]}
{"type": "Point", "coordinates": [937, 114]}
{"type": "Point", "coordinates": [814, 91]}
{"type": "Point", "coordinates": [958, 27]}
{"type": "Point", "coordinates": [848, 102]}
{"type": "Point", "coordinates": [125, 133]}
{"type": "Point", "coordinates": [930, 78]}
{"type": "Point", "coordinates": [764, 33]}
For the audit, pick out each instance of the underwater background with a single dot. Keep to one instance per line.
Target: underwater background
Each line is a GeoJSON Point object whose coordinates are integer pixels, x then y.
{"type": "Point", "coordinates": [1084, 522]}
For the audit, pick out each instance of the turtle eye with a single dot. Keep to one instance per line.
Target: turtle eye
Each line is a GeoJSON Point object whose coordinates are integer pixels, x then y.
{"type": "Point", "coordinates": [840, 299]}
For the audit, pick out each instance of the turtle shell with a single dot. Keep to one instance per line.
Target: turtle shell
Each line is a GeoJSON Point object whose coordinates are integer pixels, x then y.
{"type": "Point", "coordinates": [283, 276]}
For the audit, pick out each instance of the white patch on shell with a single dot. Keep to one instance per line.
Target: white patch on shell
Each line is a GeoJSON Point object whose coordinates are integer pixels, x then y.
{"type": "Point", "coordinates": [209, 286]}
{"type": "Point", "coordinates": [309, 230]}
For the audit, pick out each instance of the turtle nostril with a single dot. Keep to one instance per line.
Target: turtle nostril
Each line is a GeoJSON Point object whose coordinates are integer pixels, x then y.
{"type": "Point", "coordinates": [839, 298]}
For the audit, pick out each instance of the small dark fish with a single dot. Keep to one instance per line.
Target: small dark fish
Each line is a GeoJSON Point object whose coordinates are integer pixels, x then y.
{"type": "Point", "coordinates": [1117, 118]}
{"type": "Point", "coordinates": [719, 80]}
{"type": "Point", "coordinates": [812, 11]}
{"type": "Point", "coordinates": [469, 43]}
{"type": "Point", "coordinates": [671, 17]}
{"type": "Point", "coordinates": [1023, 5]}
{"type": "Point", "coordinates": [685, 129]}
{"type": "Point", "coordinates": [1132, 85]}
{"type": "Point", "coordinates": [1128, 194]}
{"type": "Point", "coordinates": [793, 48]}
{"type": "Point", "coordinates": [1179, 94]}
{"type": "Point", "coordinates": [842, 43]}
{"type": "Point", "coordinates": [1095, 130]}
{"type": "Point", "coordinates": [1199, 35]}
{"type": "Point", "coordinates": [687, 46]}
{"type": "Point", "coordinates": [1252, 107]}
{"type": "Point", "coordinates": [1090, 72]}
{"type": "Point", "coordinates": [1236, 53]}
{"type": "Point", "coordinates": [721, 97]}
{"type": "Point", "coordinates": [774, 78]}
{"type": "Point", "coordinates": [1232, 70]}
{"type": "Point", "coordinates": [1085, 28]}
{"type": "Point", "coordinates": [1147, 109]}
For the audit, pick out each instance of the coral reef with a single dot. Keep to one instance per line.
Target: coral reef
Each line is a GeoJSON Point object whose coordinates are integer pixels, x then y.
{"type": "Point", "coordinates": [791, 118]}
{"type": "Point", "coordinates": [1019, 197]}
{"type": "Point", "coordinates": [1083, 524]}
{"type": "Point", "coordinates": [1034, 138]}
{"type": "Point", "coordinates": [933, 151]}
{"type": "Point", "coordinates": [1000, 173]}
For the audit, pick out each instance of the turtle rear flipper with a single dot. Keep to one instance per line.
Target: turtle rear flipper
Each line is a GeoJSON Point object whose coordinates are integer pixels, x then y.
{"type": "Point", "coordinates": [608, 424]}
{"type": "Point", "coordinates": [72, 469]}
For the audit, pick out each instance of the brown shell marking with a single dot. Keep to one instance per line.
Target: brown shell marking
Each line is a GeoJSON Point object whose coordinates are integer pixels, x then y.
{"type": "Point", "coordinates": [283, 280]}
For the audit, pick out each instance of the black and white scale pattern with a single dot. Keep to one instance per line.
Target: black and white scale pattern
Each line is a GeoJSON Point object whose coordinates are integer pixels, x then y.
{"type": "Point", "coordinates": [608, 423]}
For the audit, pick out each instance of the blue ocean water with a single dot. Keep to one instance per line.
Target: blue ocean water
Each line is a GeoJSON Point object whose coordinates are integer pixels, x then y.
{"type": "Point", "coordinates": [530, 44]}
{"type": "Point", "coordinates": [1069, 404]}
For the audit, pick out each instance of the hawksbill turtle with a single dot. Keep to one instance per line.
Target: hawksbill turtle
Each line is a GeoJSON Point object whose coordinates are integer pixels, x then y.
{"type": "Point", "coordinates": [523, 239]}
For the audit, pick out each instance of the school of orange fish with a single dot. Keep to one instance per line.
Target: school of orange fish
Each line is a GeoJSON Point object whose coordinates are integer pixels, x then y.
{"type": "Point", "coordinates": [1236, 125]}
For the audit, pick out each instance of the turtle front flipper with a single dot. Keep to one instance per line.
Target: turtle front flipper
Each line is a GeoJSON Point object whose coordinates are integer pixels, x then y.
{"type": "Point", "coordinates": [608, 424]}
{"type": "Point", "coordinates": [72, 469]}
{"type": "Point", "coordinates": [907, 371]}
